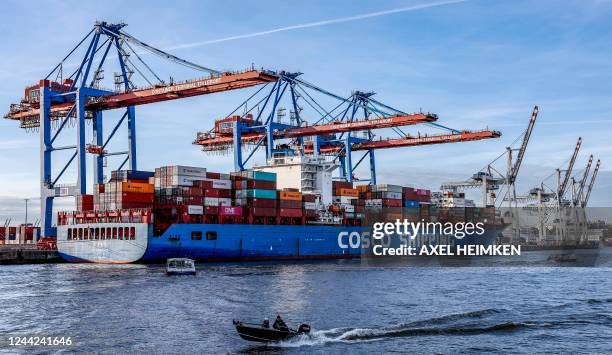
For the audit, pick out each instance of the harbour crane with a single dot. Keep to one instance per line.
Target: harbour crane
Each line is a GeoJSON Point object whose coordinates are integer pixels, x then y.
{"type": "Point", "coordinates": [577, 200]}
{"type": "Point", "coordinates": [562, 183]}
{"type": "Point", "coordinates": [490, 179]}
{"type": "Point", "coordinates": [591, 184]}
{"type": "Point", "coordinates": [340, 126]}
{"type": "Point", "coordinates": [56, 100]}
{"type": "Point", "coordinates": [544, 195]}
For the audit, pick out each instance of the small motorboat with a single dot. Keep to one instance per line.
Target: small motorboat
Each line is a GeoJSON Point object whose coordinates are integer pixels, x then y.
{"type": "Point", "coordinates": [180, 266]}
{"type": "Point", "coordinates": [259, 333]}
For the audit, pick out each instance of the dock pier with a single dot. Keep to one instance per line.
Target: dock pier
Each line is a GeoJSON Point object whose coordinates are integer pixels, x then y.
{"type": "Point", "coordinates": [27, 254]}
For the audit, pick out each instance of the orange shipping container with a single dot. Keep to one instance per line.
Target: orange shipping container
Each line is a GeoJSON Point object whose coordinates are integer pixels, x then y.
{"type": "Point", "coordinates": [347, 192]}
{"type": "Point", "coordinates": [363, 188]}
{"type": "Point", "coordinates": [136, 187]}
{"type": "Point", "coordinates": [291, 195]}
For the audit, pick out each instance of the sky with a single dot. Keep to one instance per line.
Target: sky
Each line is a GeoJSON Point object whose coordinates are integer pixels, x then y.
{"type": "Point", "coordinates": [476, 64]}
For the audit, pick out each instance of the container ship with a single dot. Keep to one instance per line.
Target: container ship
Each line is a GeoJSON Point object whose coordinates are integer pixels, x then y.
{"type": "Point", "coordinates": [288, 209]}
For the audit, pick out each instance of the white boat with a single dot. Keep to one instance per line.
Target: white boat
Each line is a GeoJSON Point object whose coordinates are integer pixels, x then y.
{"type": "Point", "coordinates": [180, 266]}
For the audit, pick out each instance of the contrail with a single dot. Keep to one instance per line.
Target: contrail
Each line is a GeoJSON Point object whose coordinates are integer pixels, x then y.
{"type": "Point", "coordinates": [318, 23]}
{"type": "Point", "coordinates": [9, 74]}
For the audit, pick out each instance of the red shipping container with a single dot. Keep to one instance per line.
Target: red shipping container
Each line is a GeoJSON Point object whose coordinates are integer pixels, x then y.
{"type": "Point", "coordinates": [260, 184]}
{"type": "Point", "coordinates": [130, 205]}
{"type": "Point", "coordinates": [211, 210]}
{"type": "Point", "coordinates": [309, 198]}
{"type": "Point", "coordinates": [135, 197]}
{"type": "Point", "coordinates": [230, 211]}
{"type": "Point", "coordinates": [290, 212]}
{"type": "Point", "coordinates": [261, 202]}
{"type": "Point", "coordinates": [424, 198]}
{"type": "Point", "coordinates": [220, 193]}
{"type": "Point", "coordinates": [261, 212]}
{"type": "Point", "coordinates": [391, 203]}
{"type": "Point", "coordinates": [203, 184]}
{"type": "Point", "coordinates": [358, 202]}
{"type": "Point", "coordinates": [193, 200]}
{"type": "Point", "coordinates": [408, 193]}
{"type": "Point", "coordinates": [194, 191]}
{"type": "Point", "coordinates": [84, 202]}
{"type": "Point", "coordinates": [212, 175]}
{"type": "Point", "coordinates": [212, 193]}
{"type": "Point", "coordinates": [341, 185]}
{"type": "Point", "coordinates": [290, 204]}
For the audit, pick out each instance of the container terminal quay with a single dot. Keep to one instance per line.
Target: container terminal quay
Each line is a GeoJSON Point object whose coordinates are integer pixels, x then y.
{"type": "Point", "coordinates": [294, 205]}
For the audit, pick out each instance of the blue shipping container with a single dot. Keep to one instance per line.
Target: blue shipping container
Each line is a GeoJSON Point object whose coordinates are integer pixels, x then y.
{"type": "Point", "coordinates": [257, 193]}
{"type": "Point", "coordinates": [411, 203]}
{"type": "Point", "coordinates": [261, 175]}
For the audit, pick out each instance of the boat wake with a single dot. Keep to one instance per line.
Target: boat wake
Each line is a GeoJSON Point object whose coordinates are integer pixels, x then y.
{"type": "Point", "coordinates": [470, 323]}
{"type": "Point", "coordinates": [459, 324]}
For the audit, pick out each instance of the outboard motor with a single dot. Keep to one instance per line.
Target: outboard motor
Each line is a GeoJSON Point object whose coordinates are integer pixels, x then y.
{"type": "Point", "coordinates": [304, 329]}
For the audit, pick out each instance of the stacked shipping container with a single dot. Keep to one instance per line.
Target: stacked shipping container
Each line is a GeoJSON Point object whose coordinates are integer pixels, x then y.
{"type": "Point", "coordinates": [24, 234]}
{"type": "Point", "coordinates": [349, 200]}
{"type": "Point", "coordinates": [183, 194]}
{"type": "Point", "coordinates": [126, 189]}
{"type": "Point", "coordinates": [255, 192]}
{"type": "Point", "coordinates": [290, 204]}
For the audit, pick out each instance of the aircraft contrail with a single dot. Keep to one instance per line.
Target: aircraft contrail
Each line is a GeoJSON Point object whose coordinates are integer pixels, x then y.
{"type": "Point", "coordinates": [318, 23]}
{"type": "Point", "coordinates": [275, 30]}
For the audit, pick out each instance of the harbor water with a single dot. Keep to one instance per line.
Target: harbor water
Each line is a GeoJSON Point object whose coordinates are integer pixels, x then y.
{"type": "Point", "coordinates": [352, 307]}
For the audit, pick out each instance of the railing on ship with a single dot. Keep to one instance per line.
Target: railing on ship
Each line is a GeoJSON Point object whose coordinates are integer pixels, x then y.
{"type": "Point", "coordinates": [135, 215]}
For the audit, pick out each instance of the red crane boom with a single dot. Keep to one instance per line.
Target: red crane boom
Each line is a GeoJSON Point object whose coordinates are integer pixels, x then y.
{"type": "Point", "coordinates": [227, 81]}
{"type": "Point", "coordinates": [206, 139]}
{"type": "Point", "coordinates": [412, 141]}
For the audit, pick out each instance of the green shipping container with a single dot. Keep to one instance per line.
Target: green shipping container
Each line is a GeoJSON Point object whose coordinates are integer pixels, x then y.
{"type": "Point", "coordinates": [262, 175]}
{"type": "Point", "coordinates": [257, 193]}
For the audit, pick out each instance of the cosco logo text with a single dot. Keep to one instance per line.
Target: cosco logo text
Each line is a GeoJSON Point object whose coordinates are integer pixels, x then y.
{"type": "Point", "coordinates": [353, 240]}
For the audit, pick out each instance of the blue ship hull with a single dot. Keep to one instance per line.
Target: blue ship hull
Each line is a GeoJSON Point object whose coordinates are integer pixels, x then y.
{"type": "Point", "coordinates": [224, 242]}
{"type": "Point", "coordinates": [233, 242]}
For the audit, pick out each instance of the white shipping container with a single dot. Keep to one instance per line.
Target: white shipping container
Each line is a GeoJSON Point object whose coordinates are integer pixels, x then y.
{"type": "Point", "coordinates": [180, 170]}
{"type": "Point", "coordinates": [344, 199]}
{"type": "Point", "coordinates": [225, 201]}
{"type": "Point", "coordinates": [349, 208]}
{"type": "Point", "coordinates": [222, 184]}
{"type": "Point", "coordinates": [195, 209]}
{"type": "Point", "coordinates": [211, 201]}
{"type": "Point", "coordinates": [224, 176]}
{"type": "Point", "coordinates": [310, 205]}
{"type": "Point", "coordinates": [387, 187]}
{"type": "Point", "coordinates": [182, 180]}
{"type": "Point", "coordinates": [392, 195]}
{"type": "Point", "coordinates": [373, 203]}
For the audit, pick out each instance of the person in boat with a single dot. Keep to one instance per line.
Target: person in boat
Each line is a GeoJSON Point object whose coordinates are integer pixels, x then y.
{"type": "Point", "coordinates": [266, 323]}
{"type": "Point", "coordinates": [279, 324]}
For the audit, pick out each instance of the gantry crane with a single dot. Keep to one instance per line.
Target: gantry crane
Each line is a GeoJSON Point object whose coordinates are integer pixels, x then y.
{"type": "Point", "coordinates": [562, 182]}
{"type": "Point", "coordinates": [50, 104]}
{"type": "Point", "coordinates": [334, 132]}
{"type": "Point", "coordinates": [546, 195]}
{"type": "Point", "coordinates": [490, 179]}
{"type": "Point", "coordinates": [591, 184]}
{"type": "Point", "coordinates": [577, 198]}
